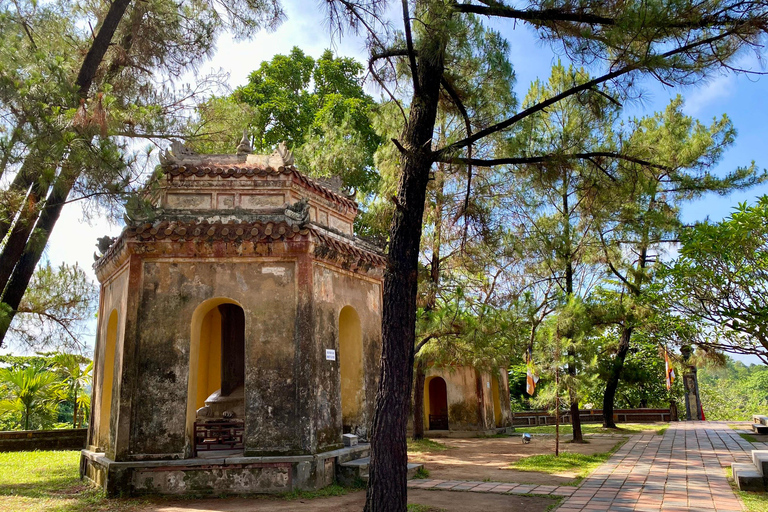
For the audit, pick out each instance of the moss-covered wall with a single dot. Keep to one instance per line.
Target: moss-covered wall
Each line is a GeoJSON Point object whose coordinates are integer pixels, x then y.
{"type": "Point", "coordinates": [335, 289]}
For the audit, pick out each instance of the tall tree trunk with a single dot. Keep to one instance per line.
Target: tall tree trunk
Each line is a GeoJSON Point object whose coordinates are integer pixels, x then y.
{"type": "Point", "coordinates": [578, 436]}
{"type": "Point", "coordinates": [24, 267]}
{"type": "Point", "coordinates": [612, 383]}
{"type": "Point", "coordinates": [418, 400]}
{"type": "Point", "coordinates": [22, 272]}
{"type": "Point", "coordinates": [387, 490]}
{"type": "Point", "coordinates": [22, 228]}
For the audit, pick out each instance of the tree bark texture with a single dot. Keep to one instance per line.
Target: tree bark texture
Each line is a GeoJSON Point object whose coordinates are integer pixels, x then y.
{"type": "Point", "coordinates": [418, 400]}
{"type": "Point", "coordinates": [612, 383]}
{"type": "Point", "coordinates": [387, 490]}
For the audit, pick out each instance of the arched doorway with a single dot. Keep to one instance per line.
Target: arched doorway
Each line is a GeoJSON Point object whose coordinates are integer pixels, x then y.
{"type": "Point", "coordinates": [438, 404]}
{"type": "Point", "coordinates": [107, 380]}
{"type": "Point", "coordinates": [496, 401]}
{"type": "Point", "coordinates": [216, 362]}
{"type": "Point", "coordinates": [350, 368]}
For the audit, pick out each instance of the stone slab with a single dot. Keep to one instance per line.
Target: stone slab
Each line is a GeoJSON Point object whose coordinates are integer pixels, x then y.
{"type": "Point", "coordinates": [747, 477]}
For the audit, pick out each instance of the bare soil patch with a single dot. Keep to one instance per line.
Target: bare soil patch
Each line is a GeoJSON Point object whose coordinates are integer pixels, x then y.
{"type": "Point", "coordinates": [446, 500]}
{"type": "Point", "coordinates": [489, 459]}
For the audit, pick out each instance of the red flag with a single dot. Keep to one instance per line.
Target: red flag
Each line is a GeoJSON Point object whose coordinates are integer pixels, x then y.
{"type": "Point", "coordinates": [531, 379]}
{"type": "Point", "coordinates": [669, 370]}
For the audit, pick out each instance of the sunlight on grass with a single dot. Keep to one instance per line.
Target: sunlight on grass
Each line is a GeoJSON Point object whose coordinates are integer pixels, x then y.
{"type": "Point", "coordinates": [596, 428]}
{"type": "Point", "coordinates": [49, 481]}
{"type": "Point", "coordinates": [577, 463]}
{"type": "Point", "coordinates": [425, 446]}
{"type": "Point", "coordinates": [753, 501]}
{"type": "Point", "coordinates": [415, 507]}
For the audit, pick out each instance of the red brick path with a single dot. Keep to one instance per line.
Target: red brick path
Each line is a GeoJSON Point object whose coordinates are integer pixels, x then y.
{"type": "Point", "coordinates": [681, 471]}
{"type": "Point", "coordinates": [684, 470]}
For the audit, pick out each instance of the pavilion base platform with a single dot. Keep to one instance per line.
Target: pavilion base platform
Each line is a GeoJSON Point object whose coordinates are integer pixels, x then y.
{"type": "Point", "coordinates": [227, 474]}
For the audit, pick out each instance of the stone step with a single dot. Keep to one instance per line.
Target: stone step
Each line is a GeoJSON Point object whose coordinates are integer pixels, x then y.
{"type": "Point", "coordinates": [349, 472]}
{"type": "Point", "coordinates": [757, 428]}
{"type": "Point", "coordinates": [760, 461]}
{"type": "Point", "coordinates": [748, 477]}
{"type": "Point", "coordinates": [759, 418]}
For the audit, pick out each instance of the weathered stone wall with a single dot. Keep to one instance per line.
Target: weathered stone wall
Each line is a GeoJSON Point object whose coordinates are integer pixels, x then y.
{"type": "Point", "coordinates": [171, 292]}
{"type": "Point", "coordinates": [28, 440]}
{"type": "Point", "coordinates": [333, 290]}
{"type": "Point", "coordinates": [113, 297]}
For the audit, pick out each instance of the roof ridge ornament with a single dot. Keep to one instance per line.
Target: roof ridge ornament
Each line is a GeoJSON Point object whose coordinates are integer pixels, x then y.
{"type": "Point", "coordinates": [281, 157]}
{"type": "Point", "coordinates": [244, 148]}
{"type": "Point", "coordinates": [177, 153]}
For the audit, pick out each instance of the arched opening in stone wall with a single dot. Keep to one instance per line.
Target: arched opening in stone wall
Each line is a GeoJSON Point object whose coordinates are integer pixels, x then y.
{"type": "Point", "coordinates": [107, 380]}
{"type": "Point", "coordinates": [437, 404]}
{"type": "Point", "coordinates": [496, 401]}
{"type": "Point", "coordinates": [216, 362]}
{"type": "Point", "coordinates": [350, 367]}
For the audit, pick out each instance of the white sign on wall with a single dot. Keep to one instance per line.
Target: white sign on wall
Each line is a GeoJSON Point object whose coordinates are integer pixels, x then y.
{"type": "Point", "coordinates": [330, 354]}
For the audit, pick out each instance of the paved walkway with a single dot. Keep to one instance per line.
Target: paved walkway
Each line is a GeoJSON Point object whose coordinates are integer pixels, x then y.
{"type": "Point", "coordinates": [681, 471]}
{"type": "Point", "coordinates": [684, 470]}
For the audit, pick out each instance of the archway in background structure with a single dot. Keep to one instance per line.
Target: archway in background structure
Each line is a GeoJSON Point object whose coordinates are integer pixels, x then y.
{"type": "Point", "coordinates": [107, 380]}
{"type": "Point", "coordinates": [350, 367]}
{"type": "Point", "coordinates": [496, 401]}
{"type": "Point", "coordinates": [216, 353]}
{"type": "Point", "coordinates": [438, 404]}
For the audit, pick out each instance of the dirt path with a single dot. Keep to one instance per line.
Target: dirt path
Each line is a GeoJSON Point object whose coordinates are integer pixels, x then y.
{"type": "Point", "coordinates": [489, 459]}
{"type": "Point", "coordinates": [442, 500]}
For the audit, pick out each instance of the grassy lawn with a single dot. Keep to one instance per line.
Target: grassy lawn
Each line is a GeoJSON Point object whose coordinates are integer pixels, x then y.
{"type": "Point", "coordinates": [753, 501]}
{"type": "Point", "coordinates": [49, 481]}
{"type": "Point", "coordinates": [566, 462]}
{"type": "Point", "coordinates": [596, 428]}
{"type": "Point", "coordinates": [425, 446]}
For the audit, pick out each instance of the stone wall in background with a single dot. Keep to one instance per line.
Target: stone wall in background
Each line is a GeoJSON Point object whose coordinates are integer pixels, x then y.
{"type": "Point", "coordinates": [28, 440]}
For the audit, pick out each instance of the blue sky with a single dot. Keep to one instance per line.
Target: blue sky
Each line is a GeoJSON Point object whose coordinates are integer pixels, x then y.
{"type": "Point", "coordinates": [743, 98]}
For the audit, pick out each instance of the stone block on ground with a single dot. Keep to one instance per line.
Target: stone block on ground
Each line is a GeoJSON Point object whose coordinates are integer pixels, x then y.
{"type": "Point", "coordinates": [748, 478]}
{"type": "Point", "coordinates": [760, 460]}
{"type": "Point", "coordinates": [757, 428]}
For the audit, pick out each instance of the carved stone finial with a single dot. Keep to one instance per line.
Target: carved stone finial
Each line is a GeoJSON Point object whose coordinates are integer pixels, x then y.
{"type": "Point", "coordinates": [280, 157]}
{"type": "Point", "coordinates": [244, 148]}
{"type": "Point", "coordinates": [177, 153]}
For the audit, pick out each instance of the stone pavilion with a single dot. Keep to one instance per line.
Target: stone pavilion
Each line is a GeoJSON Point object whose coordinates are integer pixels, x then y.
{"type": "Point", "coordinates": [239, 332]}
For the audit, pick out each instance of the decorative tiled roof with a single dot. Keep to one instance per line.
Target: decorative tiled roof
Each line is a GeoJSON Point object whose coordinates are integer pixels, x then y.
{"type": "Point", "coordinates": [326, 244]}
{"type": "Point", "coordinates": [251, 170]}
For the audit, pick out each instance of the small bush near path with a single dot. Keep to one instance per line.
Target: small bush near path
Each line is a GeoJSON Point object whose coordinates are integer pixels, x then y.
{"type": "Point", "coordinates": [596, 428]}
{"type": "Point", "coordinates": [425, 446]}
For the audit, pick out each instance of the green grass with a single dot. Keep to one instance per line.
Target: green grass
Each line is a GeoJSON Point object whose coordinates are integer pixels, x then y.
{"type": "Point", "coordinates": [425, 446]}
{"type": "Point", "coordinates": [577, 463]}
{"type": "Point", "coordinates": [421, 473]}
{"type": "Point", "coordinates": [596, 428]}
{"type": "Point", "coordinates": [748, 437]}
{"type": "Point", "coordinates": [753, 501]}
{"type": "Point", "coordinates": [415, 507]}
{"type": "Point", "coordinates": [49, 481]}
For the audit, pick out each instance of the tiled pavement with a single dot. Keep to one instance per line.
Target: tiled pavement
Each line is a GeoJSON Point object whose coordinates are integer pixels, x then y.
{"type": "Point", "coordinates": [680, 471]}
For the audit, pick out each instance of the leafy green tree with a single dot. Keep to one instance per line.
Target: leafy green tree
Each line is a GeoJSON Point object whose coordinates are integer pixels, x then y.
{"type": "Point", "coordinates": [719, 280]}
{"type": "Point", "coordinates": [678, 43]}
{"type": "Point", "coordinates": [318, 107]}
{"type": "Point", "coordinates": [31, 392]}
{"type": "Point", "coordinates": [671, 155]}
{"type": "Point", "coordinates": [733, 391]}
{"type": "Point", "coordinates": [76, 373]}
{"type": "Point", "coordinates": [55, 310]}
{"type": "Point", "coordinates": [76, 81]}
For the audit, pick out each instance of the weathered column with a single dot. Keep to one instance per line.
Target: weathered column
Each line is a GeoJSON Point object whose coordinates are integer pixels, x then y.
{"type": "Point", "coordinates": [691, 383]}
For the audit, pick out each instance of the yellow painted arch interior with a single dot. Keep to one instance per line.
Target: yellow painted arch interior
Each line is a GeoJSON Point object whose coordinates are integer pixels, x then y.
{"type": "Point", "coordinates": [107, 379]}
